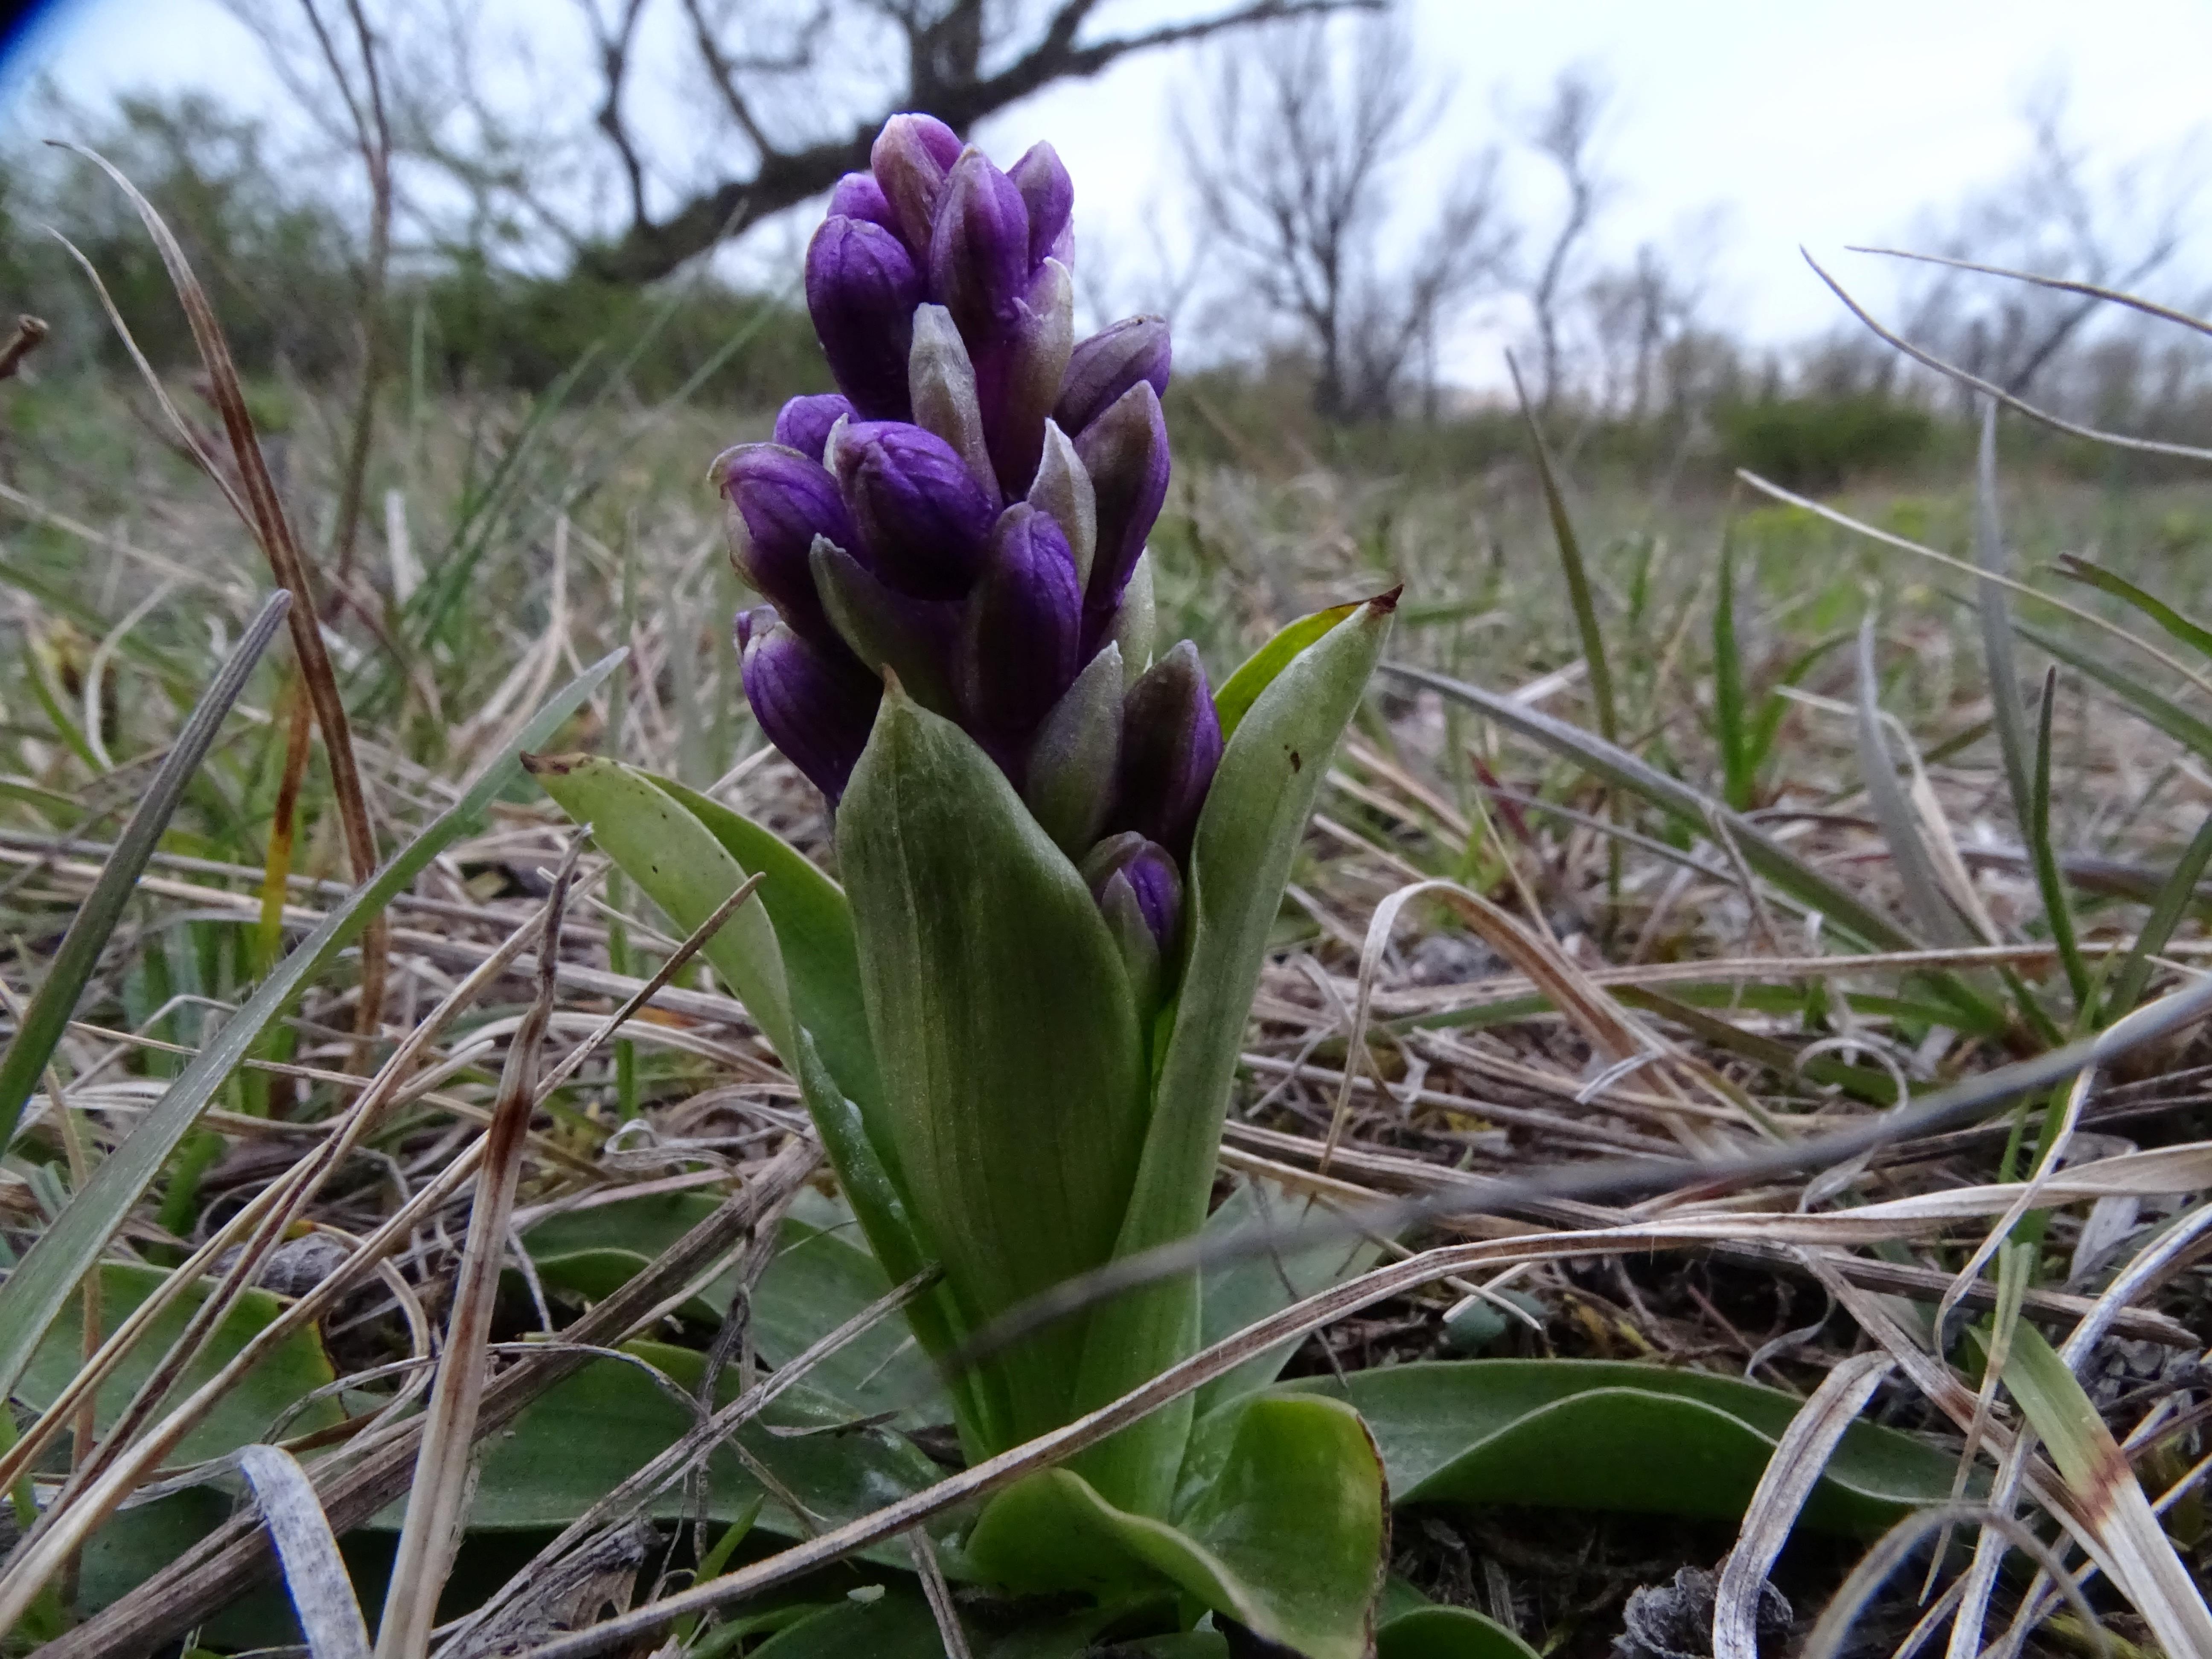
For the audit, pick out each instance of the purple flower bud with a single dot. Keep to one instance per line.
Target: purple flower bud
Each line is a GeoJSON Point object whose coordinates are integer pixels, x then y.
{"type": "Point", "coordinates": [1070, 769]}
{"type": "Point", "coordinates": [911, 156]}
{"type": "Point", "coordinates": [1018, 639]}
{"type": "Point", "coordinates": [778, 502]}
{"type": "Point", "coordinates": [804, 423]}
{"type": "Point", "coordinates": [816, 708]}
{"type": "Point", "coordinates": [923, 520]}
{"type": "Point", "coordinates": [1125, 451]}
{"type": "Point", "coordinates": [858, 196]}
{"type": "Point", "coordinates": [1150, 872]}
{"type": "Point", "coordinates": [1049, 195]}
{"type": "Point", "coordinates": [979, 251]}
{"type": "Point", "coordinates": [1170, 745]}
{"type": "Point", "coordinates": [861, 290]}
{"type": "Point", "coordinates": [1108, 364]}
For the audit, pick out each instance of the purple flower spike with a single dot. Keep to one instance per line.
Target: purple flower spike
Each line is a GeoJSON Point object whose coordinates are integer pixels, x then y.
{"type": "Point", "coordinates": [1017, 643]}
{"type": "Point", "coordinates": [861, 290]}
{"type": "Point", "coordinates": [910, 158]}
{"type": "Point", "coordinates": [979, 252]}
{"type": "Point", "coordinates": [804, 423]}
{"type": "Point", "coordinates": [1170, 744]}
{"type": "Point", "coordinates": [778, 502]}
{"type": "Point", "coordinates": [1125, 451]}
{"type": "Point", "coordinates": [923, 520]}
{"type": "Point", "coordinates": [1108, 363]}
{"type": "Point", "coordinates": [815, 706]}
{"type": "Point", "coordinates": [858, 196]}
{"type": "Point", "coordinates": [1049, 195]}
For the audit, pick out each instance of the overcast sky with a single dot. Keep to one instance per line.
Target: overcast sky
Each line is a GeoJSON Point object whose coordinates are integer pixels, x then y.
{"type": "Point", "coordinates": [1818, 122]}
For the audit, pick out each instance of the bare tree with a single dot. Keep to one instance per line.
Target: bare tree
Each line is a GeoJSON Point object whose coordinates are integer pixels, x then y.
{"type": "Point", "coordinates": [1565, 131]}
{"type": "Point", "coordinates": [2058, 214]}
{"type": "Point", "coordinates": [1294, 163]}
{"type": "Point", "coordinates": [778, 98]}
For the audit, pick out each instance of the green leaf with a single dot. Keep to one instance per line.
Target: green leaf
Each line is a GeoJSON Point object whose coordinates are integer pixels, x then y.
{"type": "Point", "coordinates": [263, 1400]}
{"type": "Point", "coordinates": [685, 865]}
{"type": "Point", "coordinates": [2158, 710]}
{"type": "Point", "coordinates": [893, 1625]}
{"type": "Point", "coordinates": [598, 1426]}
{"type": "Point", "coordinates": [35, 1292]}
{"type": "Point", "coordinates": [1253, 818]}
{"type": "Point", "coordinates": [1242, 689]}
{"type": "Point", "coordinates": [1447, 1633]}
{"type": "Point", "coordinates": [1287, 1540]}
{"type": "Point", "coordinates": [818, 1279]}
{"type": "Point", "coordinates": [1012, 1063]}
{"type": "Point", "coordinates": [1603, 1434]}
{"type": "Point", "coordinates": [813, 929]}
{"type": "Point", "coordinates": [1240, 1293]}
{"type": "Point", "coordinates": [51, 1006]}
{"type": "Point", "coordinates": [2179, 626]}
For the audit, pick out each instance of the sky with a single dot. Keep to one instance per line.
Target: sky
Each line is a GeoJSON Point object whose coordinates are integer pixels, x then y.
{"type": "Point", "coordinates": [1813, 122]}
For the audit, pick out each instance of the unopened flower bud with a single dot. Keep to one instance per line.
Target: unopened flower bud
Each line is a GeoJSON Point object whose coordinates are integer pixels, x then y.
{"type": "Point", "coordinates": [1073, 760]}
{"type": "Point", "coordinates": [923, 520]}
{"type": "Point", "coordinates": [1019, 637]}
{"type": "Point", "coordinates": [1151, 872]}
{"type": "Point", "coordinates": [945, 396]}
{"type": "Point", "coordinates": [1170, 745]}
{"type": "Point", "coordinates": [778, 501]}
{"type": "Point", "coordinates": [1125, 451]}
{"type": "Point", "coordinates": [910, 158]}
{"type": "Point", "coordinates": [1049, 195]}
{"type": "Point", "coordinates": [1036, 359]}
{"type": "Point", "coordinates": [815, 705]}
{"type": "Point", "coordinates": [861, 288]}
{"type": "Point", "coordinates": [804, 423]}
{"type": "Point", "coordinates": [1105, 366]}
{"type": "Point", "coordinates": [979, 251]}
{"type": "Point", "coordinates": [1063, 489]}
{"type": "Point", "coordinates": [858, 196]}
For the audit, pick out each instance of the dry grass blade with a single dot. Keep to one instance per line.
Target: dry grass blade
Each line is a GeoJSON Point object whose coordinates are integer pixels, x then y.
{"type": "Point", "coordinates": [28, 334]}
{"type": "Point", "coordinates": [1991, 389]}
{"type": "Point", "coordinates": [215, 1570]}
{"type": "Point", "coordinates": [263, 511]}
{"type": "Point", "coordinates": [436, 1506]}
{"type": "Point", "coordinates": [1792, 1474]}
{"type": "Point", "coordinates": [2062, 284]}
{"type": "Point", "coordinates": [314, 1573]}
{"type": "Point", "coordinates": [1830, 1634]}
{"type": "Point", "coordinates": [1916, 868]}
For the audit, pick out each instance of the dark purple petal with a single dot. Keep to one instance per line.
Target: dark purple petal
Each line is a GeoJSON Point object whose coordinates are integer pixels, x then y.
{"type": "Point", "coordinates": [778, 501]}
{"type": "Point", "coordinates": [1018, 642]}
{"type": "Point", "coordinates": [858, 196]}
{"type": "Point", "coordinates": [861, 290]}
{"type": "Point", "coordinates": [804, 423]}
{"type": "Point", "coordinates": [1049, 195]}
{"type": "Point", "coordinates": [816, 708]}
{"type": "Point", "coordinates": [923, 520]}
{"type": "Point", "coordinates": [1108, 364]}
{"type": "Point", "coordinates": [1125, 451]}
{"type": "Point", "coordinates": [979, 251]}
{"type": "Point", "coordinates": [1170, 745]}
{"type": "Point", "coordinates": [910, 158]}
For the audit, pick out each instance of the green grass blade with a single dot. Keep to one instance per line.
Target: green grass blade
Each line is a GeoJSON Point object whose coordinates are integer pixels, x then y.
{"type": "Point", "coordinates": [2180, 627]}
{"type": "Point", "coordinates": [56, 999]}
{"type": "Point", "coordinates": [2057, 908]}
{"type": "Point", "coordinates": [50, 1270]}
{"type": "Point", "coordinates": [2166, 914]}
{"type": "Point", "coordinates": [2011, 719]}
{"type": "Point", "coordinates": [1577, 574]}
{"type": "Point", "coordinates": [1738, 763]}
{"type": "Point", "coordinates": [2157, 710]}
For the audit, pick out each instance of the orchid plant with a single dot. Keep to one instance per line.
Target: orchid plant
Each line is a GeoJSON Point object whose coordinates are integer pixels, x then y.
{"type": "Point", "coordinates": [1017, 1024]}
